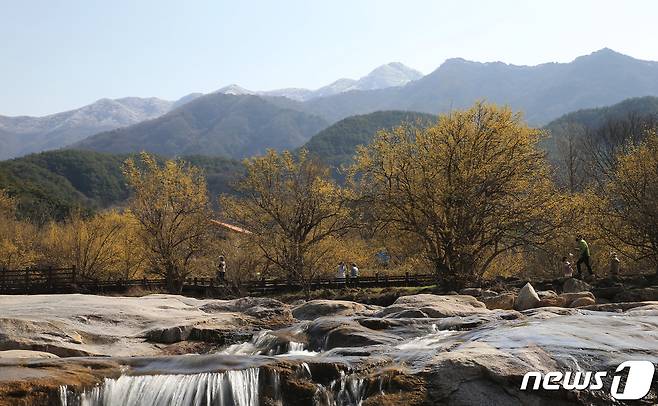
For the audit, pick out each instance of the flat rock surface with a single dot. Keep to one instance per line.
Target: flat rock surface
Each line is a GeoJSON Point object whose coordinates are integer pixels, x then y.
{"type": "Point", "coordinates": [78, 325]}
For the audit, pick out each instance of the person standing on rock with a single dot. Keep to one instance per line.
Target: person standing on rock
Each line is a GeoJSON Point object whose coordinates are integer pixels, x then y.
{"type": "Point", "coordinates": [584, 256]}
{"type": "Point", "coordinates": [567, 266]}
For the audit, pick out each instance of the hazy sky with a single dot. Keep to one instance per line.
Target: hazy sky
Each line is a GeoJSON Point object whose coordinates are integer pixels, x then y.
{"type": "Point", "coordinates": [58, 55]}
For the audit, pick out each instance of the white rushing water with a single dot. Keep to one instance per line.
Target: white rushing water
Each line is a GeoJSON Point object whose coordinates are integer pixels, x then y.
{"type": "Point", "coordinates": [230, 388]}
{"type": "Point", "coordinates": [266, 343]}
{"type": "Point", "coordinates": [348, 390]}
{"type": "Point", "coordinates": [262, 343]}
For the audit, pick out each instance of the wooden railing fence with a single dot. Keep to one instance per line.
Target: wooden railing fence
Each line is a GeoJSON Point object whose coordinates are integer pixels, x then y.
{"type": "Point", "coordinates": [67, 280]}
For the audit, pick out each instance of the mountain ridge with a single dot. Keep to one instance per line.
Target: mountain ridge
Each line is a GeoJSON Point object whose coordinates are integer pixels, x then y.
{"type": "Point", "coordinates": [392, 74]}
{"type": "Point", "coordinates": [543, 92]}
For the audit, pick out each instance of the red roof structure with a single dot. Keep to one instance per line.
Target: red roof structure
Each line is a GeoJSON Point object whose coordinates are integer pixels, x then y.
{"type": "Point", "coordinates": [230, 227]}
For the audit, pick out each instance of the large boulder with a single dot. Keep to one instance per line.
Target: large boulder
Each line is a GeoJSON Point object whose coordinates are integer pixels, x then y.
{"type": "Point", "coordinates": [573, 285]}
{"type": "Point", "coordinates": [582, 301]}
{"type": "Point", "coordinates": [504, 301]}
{"type": "Point", "coordinates": [313, 309]}
{"type": "Point", "coordinates": [571, 297]}
{"type": "Point", "coordinates": [545, 294]}
{"type": "Point", "coordinates": [555, 301]}
{"type": "Point", "coordinates": [527, 298]}
{"type": "Point", "coordinates": [434, 306]}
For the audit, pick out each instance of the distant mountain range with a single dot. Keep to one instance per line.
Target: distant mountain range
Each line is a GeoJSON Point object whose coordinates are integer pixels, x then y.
{"type": "Point", "coordinates": [542, 92]}
{"type": "Point", "coordinates": [235, 122]}
{"type": "Point", "coordinates": [23, 135]}
{"type": "Point", "coordinates": [393, 74]}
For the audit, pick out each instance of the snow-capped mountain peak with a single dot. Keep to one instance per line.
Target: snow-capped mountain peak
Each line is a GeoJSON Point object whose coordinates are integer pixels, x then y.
{"type": "Point", "coordinates": [389, 75]}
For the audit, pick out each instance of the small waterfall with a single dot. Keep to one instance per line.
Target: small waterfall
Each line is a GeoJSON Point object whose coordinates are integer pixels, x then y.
{"type": "Point", "coordinates": [262, 343]}
{"type": "Point", "coordinates": [230, 388]}
{"type": "Point", "coordinates": [266, 343]}
{"type": "Point", "coordinates": [295, 347]}
{"type": "Point", "coordinates": [348, 390]}
{"type": "Point", "coordinates": [304, 370]}
{"type": "Point", "coordinates": [275, 384]}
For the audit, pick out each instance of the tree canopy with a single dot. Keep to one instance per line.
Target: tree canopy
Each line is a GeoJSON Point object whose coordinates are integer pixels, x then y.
{"type": "Point", "coordinates": [469, 188]}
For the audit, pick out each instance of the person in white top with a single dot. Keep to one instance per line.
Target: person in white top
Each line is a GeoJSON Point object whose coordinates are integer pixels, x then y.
{"type": "Point", "coordinates": [342, 270]}
{"type": "Point", "coordinates": [354, 271]}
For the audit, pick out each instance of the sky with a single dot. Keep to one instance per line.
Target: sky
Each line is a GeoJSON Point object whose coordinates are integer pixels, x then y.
{"type": "Point", "coordinates": [57, 55]}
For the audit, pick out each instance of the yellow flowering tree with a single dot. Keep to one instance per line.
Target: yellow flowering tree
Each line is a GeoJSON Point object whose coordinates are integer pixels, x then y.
{"type": "Point", "coordinates": [170, 202]}
{"type": "Point", "coordinates": [470, 187]}
{"type": "Point", "coordinates": [88, 243]}
{"type": "Point", "coordinates": [630, 208]}
{"type": "Point", "coordinates": [17, 239]}
{"type": "Point", "coordinates": [292, 208]}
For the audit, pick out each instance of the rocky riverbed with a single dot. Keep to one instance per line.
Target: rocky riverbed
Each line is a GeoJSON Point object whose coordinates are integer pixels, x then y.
{"type": "Point", "coordinates": [422, 349]}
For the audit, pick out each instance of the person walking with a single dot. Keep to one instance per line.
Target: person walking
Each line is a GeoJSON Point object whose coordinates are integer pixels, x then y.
{"type": "Point", "coordinates": [584, 256]}
{"type": "Point", "coordinates": [221, 269]}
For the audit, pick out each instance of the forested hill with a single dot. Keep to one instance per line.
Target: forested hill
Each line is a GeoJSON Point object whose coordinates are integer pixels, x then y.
{"type": "Point", "coordinates": [594, 118]}
{"type": "Point", "coordinates": [583, 145]}
{"type": "Point", "coordinates": [51, 184]}
{"type": "Point", "coordinates": [622, 121]}
{"type": "Point", "coordinates": [235, 126]}
{"type": "Point", "coordinates": [337, 144]}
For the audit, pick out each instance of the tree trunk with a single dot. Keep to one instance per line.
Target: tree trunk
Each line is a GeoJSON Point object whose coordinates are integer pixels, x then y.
{"type": "Point", "coordinates": [174, 280]}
